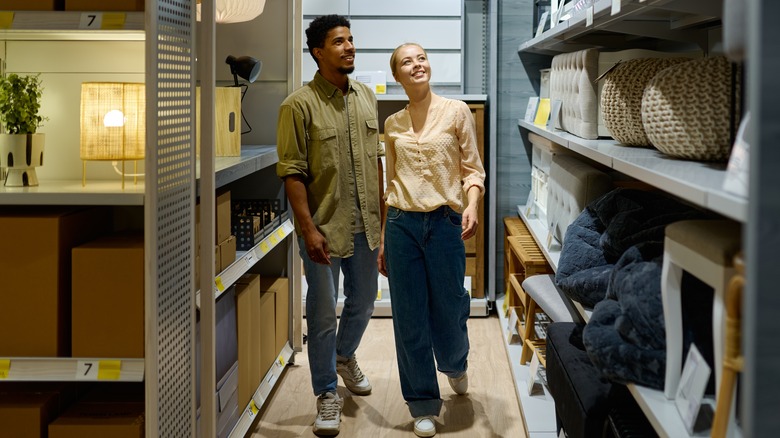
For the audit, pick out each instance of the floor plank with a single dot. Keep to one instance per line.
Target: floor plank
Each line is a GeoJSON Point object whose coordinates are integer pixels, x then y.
{"type": "Point", "coordinates": [490, 408]}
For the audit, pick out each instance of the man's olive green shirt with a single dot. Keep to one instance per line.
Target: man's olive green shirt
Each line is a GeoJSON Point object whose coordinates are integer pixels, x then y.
{"type": "Point", "coordinates": [313, 142]}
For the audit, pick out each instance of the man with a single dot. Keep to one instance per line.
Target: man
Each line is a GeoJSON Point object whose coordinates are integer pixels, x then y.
{"type": "Point", "coordinates": [329, 158]}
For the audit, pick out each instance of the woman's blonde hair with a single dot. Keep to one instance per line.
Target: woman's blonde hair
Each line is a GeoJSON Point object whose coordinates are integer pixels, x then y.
{"type": "Point", "coordinates": [394, 56]}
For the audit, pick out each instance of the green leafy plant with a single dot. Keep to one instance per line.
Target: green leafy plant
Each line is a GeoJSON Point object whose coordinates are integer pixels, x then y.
{"type": "Point", "coordinates": [20, 101]}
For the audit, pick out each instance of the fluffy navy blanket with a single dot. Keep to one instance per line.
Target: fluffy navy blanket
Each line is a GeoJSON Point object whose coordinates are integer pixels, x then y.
{"type": "Point", "coordinates": [607, 227]}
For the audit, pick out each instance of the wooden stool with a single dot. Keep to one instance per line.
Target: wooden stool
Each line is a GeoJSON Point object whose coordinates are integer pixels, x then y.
{"type": "Point", "coordinates": [526, 260]}
{"type": "Point", "coordinates": [705, 249]}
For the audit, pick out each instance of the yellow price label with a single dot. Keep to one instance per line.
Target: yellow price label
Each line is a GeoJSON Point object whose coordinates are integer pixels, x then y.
{"type": "Point", "coordinates": [5, 368]}
{"type": "Point", "coordinates": [113, 21]}
{"type": "Point", "coordinates": [253, 407]}
{"type": "Point", "coordinates": [264, 246]}
{"type": "Point", "coordinates": [6, 19]}
{"type": "Point", "coordinates": [378, 294]}
{"type": "Point", "coordinates": [506, 306]}
{"type": "Point", "coordinates": [220, 286]}
{"type": "Point", "coordinates": [280, 360]}
{"type": "Point", "coordinates": [273, 239]}
{"type": "Point", "coordinates": [280, 233]}
{"type": "Point", "coordinates": [109, 369]}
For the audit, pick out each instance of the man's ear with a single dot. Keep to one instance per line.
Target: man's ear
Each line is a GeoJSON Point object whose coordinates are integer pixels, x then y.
{"type": "Point", "coordinates": [317, 53]}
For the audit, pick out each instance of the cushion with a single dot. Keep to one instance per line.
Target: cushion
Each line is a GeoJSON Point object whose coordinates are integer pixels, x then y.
{"type": "Point", "coordinates": [571, 186]}
{"type": "Point", "coordinates": [550, 299]}
{"type": "Point", "coordinates": [691, 110]}
{"type": "Point", "coordinates": [572, 77]}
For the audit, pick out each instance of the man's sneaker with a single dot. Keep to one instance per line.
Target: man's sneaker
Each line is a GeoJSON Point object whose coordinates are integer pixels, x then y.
{"type": "Point", "coordinates": [459, 384]}
{"type": "Point", "coordinates": [328, 414]}
{"type": "Point", "coordinates": [354, 379]}
{"type": "Point", "coordinates": [424, 426]}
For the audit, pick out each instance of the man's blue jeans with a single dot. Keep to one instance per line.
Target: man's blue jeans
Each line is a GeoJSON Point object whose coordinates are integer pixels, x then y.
{"type": "Point", "coordinates": [426, 260]}
{"type": "Point", "coordinates": [360, 288]}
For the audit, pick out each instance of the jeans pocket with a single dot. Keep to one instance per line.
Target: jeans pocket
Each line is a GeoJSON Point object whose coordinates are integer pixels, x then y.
{"type": "Point", "coordinates": [394, 213]}
{"type": "Point", "coordinates": [454, 218]}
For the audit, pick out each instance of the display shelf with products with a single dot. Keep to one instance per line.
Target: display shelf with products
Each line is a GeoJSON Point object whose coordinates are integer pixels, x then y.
{"type": "Point", "coordinates": [63, 369]}
{"type": "Point", "coordinates": [668, 25]}
{"type": "Point", "coordinates": [72, 192]}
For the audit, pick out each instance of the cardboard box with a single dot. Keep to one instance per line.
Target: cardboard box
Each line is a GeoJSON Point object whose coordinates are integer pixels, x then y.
{"type": "Point", "coordinates": [35, 267]}
{"type": "Point", "coordinates": [27, 414]}
{"type": "Point", "coordinates": [249, 340]}
{"type": "Point", "coordinates": [222, 216]}
{"type": "Point", "coordinates": [227, 128]}
{"type": "Point", "coordinates": [108, 297]}
{"type": "Point", "coordinates": [116, 420]}
{"type": "Point", "coordinates": [280, 287]}
{"type": "Point", "coordinates": [227, 252]}
{"type": "Point", "coordinates": [102, 5]}
{"type": "Point", "coordinates": [31, 5]}
{"type": "Point", "coordinates": [267, 333]}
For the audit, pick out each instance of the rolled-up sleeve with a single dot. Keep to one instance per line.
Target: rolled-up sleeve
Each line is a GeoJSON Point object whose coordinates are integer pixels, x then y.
{"type": "Point", "coordinates": [471, 170]}
{"type": "Point", "coordinates": [291, 145]}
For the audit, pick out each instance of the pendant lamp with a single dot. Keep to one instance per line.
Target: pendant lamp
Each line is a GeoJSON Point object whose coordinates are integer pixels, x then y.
{"type": "Point", "coordinates": [235, 11]}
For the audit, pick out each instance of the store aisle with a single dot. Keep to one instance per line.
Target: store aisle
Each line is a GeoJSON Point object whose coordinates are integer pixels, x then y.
{"type": "Point", "coordinates": [489, 410]}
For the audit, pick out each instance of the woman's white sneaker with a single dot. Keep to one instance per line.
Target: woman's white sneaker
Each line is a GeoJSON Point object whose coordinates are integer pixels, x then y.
{"type": "Point", "coordinates": [459, 384]}
{"type": "Point", "coordinates": [424, 426]}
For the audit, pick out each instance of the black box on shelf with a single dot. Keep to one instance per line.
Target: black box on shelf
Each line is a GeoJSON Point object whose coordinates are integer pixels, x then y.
{"type": "Point", "coordinates": [253, 219]}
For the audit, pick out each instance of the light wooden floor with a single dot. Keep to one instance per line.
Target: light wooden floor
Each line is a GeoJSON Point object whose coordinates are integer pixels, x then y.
{"type": "Point", "coordinates": [490, 409]}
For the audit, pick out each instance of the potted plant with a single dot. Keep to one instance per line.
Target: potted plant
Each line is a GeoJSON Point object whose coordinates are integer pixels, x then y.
{"type": "Point", "coordinates": [21, 146]}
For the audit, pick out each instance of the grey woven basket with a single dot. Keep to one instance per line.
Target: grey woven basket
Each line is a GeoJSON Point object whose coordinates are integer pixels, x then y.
{"type": "Point", "coordinates": [621, 97]}
{"type": "Point", "coordinates": [687, 109]}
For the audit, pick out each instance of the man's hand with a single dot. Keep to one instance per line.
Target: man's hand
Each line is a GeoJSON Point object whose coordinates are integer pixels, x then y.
{"type": "Point", "coordinates": [381, 263]}
{"type": "Point", "coordinates": [317, 247]}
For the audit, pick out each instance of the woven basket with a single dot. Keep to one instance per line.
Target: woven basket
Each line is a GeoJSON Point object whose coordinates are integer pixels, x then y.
{"type": "Point", "coordinates": [621, 97]}
{"type": "Point", "coordinates": [687, 109]}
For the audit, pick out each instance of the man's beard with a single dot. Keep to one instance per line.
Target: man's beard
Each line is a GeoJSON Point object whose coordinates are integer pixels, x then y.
{"type": "Point", "coordinates": [346, 70]}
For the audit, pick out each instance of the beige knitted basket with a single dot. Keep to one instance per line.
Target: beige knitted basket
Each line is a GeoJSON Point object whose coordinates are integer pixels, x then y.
{"type": "Point", "coordinates": [687, 109]}
{"type": "Point", "coordinates": [621, 97]}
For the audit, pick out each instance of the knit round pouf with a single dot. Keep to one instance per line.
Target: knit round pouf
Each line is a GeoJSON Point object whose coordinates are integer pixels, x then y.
{"type": "Point", "coordinates": [687, 109]}
{"type": "Point", "coordinates": [621, 97]}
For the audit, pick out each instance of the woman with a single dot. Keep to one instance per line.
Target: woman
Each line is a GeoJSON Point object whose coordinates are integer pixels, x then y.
{"type": "Point", "coordinates": [432, 162]}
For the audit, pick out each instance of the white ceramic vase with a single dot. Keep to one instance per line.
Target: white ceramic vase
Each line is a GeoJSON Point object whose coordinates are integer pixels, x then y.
{"type": "Point", "coordinates": [20, 154]}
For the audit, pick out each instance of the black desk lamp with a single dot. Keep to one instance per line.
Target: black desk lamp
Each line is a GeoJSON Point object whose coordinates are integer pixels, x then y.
{"type": "Point", "coordinates": [247, 68]}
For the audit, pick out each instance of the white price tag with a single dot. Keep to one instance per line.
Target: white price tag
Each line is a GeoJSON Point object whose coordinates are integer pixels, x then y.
{"type": "Point", "coordinates": [511, 323]}
{"type": "Point", "coordinates": [589, 17]}
{"type": "Point", "coordinates": [533, 370]}
{"type": "Point", "coordinates": [87, 370]}
{"type": "Point", "coordinates": [615, 7]}
{"type": "Point", "coordinates": [91, 21]}
{"type": "Point", "coordinates": [690, 391]}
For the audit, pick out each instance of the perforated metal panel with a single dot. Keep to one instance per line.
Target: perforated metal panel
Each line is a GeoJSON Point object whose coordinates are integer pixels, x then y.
{"type": "Point", "coordinates": [169, 215]}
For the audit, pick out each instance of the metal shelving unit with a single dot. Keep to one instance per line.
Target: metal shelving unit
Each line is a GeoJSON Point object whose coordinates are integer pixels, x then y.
{"type": "Point", "coordinates": [659, 24]}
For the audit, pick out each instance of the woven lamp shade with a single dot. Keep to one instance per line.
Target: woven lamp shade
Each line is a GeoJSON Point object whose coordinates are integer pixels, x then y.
{"type": "Point", "coordinates": [235, 11]}
{"type": "Point", "coordinates": [113, 121]}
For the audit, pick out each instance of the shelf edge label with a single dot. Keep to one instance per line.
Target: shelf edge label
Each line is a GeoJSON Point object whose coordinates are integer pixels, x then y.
{"type": "Point", "coordinates": [5, 368]}
{"type": "Point", "coordinates": [109, 369]}
{"type": "Point", "coordinates": [6, 19]}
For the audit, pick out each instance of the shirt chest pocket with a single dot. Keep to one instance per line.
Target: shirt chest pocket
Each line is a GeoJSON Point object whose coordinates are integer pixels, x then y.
{"type": "Point", "coordinates": [323, 146]}
{"type": "Point", "coordinates": [372, 137]}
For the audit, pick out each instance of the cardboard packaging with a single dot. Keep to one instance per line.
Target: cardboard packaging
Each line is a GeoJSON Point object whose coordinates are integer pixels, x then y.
{"type": "Point", "coordinates": [27, 414]}
{"type": "Point", "coordinates": [101, 5]}
{"type": "Point", "coordinates": [227, 128]}
{"type": "Point", "coordinates": [227, 252]}
{"type": "Point", "coordinates": [280, 288]}
{"type": "Point", "coordinates": [31, 5]}
{"type": "Point", "coordinates": [35, 265]}
{"type": "Point", "coordinates": [116, 420]}
{"type": "Point", "coordinates": [249, 340]}
{"type": "Point", "coordinates": [267, 333]}
{"type": "Point", "coordinates": [222, 216]}
{"type": "Point", "coordinates": [108, 297]}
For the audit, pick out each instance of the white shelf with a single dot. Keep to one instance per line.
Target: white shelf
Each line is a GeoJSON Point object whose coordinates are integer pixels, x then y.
{"type": "Point", "coordinates": [261, 394]}
{"type": "Point", "coordinates": [252, 159]}
{"type": "Point", "coordinates": [71, 192]}
{"type": "Point", "coordinates": [403, 98]}
{"type": "Point", "coordinates": [673, 20]}
{"type": "Point", "coordinates": [71, 369]}
{"type": "Point", "coordinates": [696, 182]}
{"type": "Point", "coordinates": [538, 410]}
{"type": "Point", "coordinates": [662, 412]}
{"type": "Point", "coordinates": [246, 259]}
{"type": "Point", "coordinates": [72, 25]}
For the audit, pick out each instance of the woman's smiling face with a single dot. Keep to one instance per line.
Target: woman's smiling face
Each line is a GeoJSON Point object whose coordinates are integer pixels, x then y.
{"type": "Point", "coordinates": [411, 65]}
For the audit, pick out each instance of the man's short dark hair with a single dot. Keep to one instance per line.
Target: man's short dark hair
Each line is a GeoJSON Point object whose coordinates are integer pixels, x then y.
{"type": "Point", "coordinates": [319, 28]}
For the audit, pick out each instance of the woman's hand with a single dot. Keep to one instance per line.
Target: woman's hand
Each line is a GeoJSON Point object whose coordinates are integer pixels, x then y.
{"type": "Point", "coordinates": [469, 222]}
{"type": "Point", "coordinates": [380, 261]}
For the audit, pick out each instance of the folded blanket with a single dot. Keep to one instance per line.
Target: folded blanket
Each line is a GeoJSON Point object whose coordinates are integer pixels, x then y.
{"type": "Point", "coordinates": [605, 230]}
